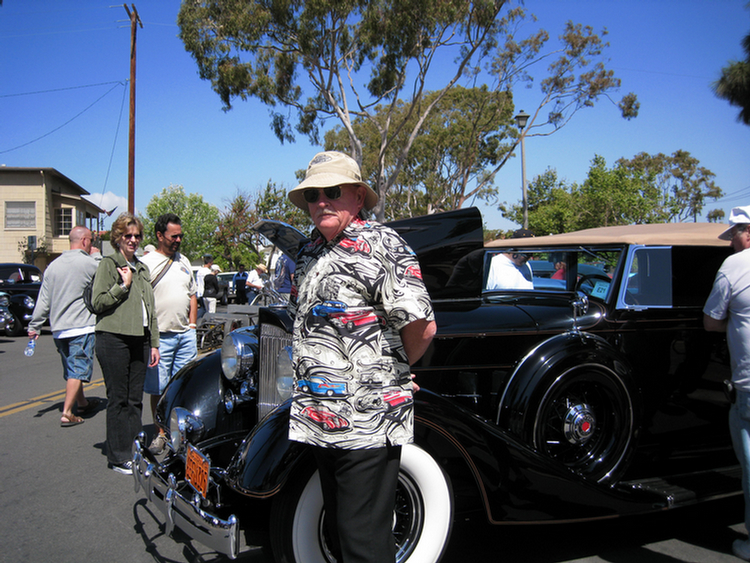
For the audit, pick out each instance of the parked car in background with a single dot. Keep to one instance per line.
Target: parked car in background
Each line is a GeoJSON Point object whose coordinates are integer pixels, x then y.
{"type": "Point", "coordinates": [22, 283]}
{"type": "Point", "coordinates": [595, 396]}
{"type": "Point", "coordinates": [226, 281]}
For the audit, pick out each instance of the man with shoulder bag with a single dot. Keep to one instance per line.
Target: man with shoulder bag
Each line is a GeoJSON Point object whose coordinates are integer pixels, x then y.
{"type": "Point", "coordinates": [176, 312]}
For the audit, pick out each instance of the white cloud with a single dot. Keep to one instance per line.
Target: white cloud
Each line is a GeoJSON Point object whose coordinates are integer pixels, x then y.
{"type": "Point", "coordinates": [109, 201]}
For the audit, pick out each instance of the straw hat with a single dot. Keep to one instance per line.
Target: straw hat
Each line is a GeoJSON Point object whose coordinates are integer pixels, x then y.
{"type": "Point", "coordinates": [328, 169]}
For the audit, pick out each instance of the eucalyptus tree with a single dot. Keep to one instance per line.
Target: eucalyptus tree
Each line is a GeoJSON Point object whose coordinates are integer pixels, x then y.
{"type": "Point", "coordinates": [344, 60]}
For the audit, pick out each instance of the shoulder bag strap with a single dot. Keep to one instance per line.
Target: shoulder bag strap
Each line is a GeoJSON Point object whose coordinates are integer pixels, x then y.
{"type": "Point", "coordinates": [161, 274]}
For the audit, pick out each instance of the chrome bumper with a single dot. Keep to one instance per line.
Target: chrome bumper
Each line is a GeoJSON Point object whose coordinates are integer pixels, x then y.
{"type": "Point", "coordinates": [219, 535]}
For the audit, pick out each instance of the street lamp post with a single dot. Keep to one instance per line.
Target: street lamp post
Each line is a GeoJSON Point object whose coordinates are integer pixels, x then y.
{"type": "Point", "coordinates": [521, 119]}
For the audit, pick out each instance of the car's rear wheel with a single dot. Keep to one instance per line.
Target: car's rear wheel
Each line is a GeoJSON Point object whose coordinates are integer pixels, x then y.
{"type": "Point", "coordinates": [422, 516]}
{"type": "Point", "coordinates": [585, 420]}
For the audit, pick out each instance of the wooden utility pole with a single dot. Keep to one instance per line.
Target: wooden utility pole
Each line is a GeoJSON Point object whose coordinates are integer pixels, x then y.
{"type": "Point", "coordinates": [134, 22]}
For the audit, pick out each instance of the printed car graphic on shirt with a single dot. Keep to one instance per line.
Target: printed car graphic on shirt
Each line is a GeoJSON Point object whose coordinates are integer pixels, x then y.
{"type": "Point", "coordinates": [358, 245]}
{"type": "Point", "coordinates": [321, 386]}
{"type": "Point", "coordinates": [325, 418]}
{"type": "Point", "coordinates": [342, 315]}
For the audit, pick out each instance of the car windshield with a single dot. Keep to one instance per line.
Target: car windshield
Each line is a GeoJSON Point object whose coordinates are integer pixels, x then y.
{"type": "Point", "coordinates": [590, 270]}
{"type": "Point", "coordinates": [19, 274]}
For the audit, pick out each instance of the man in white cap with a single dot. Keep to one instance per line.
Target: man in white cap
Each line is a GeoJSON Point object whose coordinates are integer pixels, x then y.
{"type": "Point", "coordinates": [361, 316]}
{"type": "Point", "coordinates": [728, 310]}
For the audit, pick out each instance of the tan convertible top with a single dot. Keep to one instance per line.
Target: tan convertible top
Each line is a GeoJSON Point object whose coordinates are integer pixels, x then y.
{"type": "Point", "coordinates": [685, 234]}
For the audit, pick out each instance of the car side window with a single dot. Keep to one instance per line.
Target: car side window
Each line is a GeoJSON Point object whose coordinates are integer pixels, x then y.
{"type": "Point", "coordinates": [648, 278]}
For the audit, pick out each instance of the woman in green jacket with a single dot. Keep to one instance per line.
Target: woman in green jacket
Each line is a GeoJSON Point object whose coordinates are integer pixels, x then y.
{"type": "Point", "coordinates": [127, 337]}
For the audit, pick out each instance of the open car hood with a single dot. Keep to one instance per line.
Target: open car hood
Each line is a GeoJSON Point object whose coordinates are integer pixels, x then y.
{"type": "Point", "coordinates": [285, 237]}
{"type": "Point", "coordinates": [450, 248]}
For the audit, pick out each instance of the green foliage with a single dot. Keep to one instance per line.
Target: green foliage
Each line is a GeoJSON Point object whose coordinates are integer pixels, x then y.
{"type": "Point", "coordinates": [683, 185]}
{"type": "Point", "coordinates": [235, 242]}
{"type": "Point", "coordinates": [645, 189]}
{"type": "Point", "coordinates": [461, 140]}
{"type": "Point", "coordinates": [734, 84]}
{"type": "Point", "coordinates": [199, 220]}
{"type": "Point", "coordinates": [273, 203]}
{"type": "Point", "coordinates": [366, 63]}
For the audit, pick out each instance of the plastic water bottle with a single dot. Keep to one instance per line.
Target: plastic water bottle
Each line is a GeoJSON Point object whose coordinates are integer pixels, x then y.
{"type": "Point", "coordinates": [29, 350]}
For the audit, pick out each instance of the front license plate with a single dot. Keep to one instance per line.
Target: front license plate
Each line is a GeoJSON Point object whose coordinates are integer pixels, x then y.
{"type": "Point", "coordinates": [196, 470]}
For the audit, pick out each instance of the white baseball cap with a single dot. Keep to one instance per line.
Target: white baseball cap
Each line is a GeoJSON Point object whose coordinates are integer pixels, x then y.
{"type": "Point", "coordinates": [738, 216]}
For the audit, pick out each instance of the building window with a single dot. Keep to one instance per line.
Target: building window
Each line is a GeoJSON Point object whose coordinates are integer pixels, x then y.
{"type": "Point", "coordinates": [63, 221]}
{"type": "Point", "coordinates": [20, 215]}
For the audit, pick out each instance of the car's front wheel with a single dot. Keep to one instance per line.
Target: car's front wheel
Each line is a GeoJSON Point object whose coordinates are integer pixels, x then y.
{"type": "Point", "coordinates": [422, 516]}
{"type": "Point", "coordinates": [14, 328]}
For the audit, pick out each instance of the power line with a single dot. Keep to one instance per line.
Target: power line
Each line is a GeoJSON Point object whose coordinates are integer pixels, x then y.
{"type": "Point", "coordinates": [61, 89]}
{"type": "Point", "coordinates": [67, 122]}
{"type": "Point", "coordinates": [114, 142]}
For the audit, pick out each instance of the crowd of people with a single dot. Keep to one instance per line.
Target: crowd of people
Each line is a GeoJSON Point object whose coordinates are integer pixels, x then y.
{"type": "Point", "coordinates": [140, 324]}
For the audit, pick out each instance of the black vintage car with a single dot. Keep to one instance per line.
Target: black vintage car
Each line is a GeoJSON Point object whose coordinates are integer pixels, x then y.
{"type": "Point", "coordinates": [594, 395]}
{"type": "Point", "coordinates": [22, 283]}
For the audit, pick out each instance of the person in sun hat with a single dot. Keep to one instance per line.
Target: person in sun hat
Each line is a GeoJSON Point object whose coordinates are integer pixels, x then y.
{"type": "Point", "coordinates": [330, 169]}
{"type": "Point", "coordinates": [728, 310]}
{"type": "Point", "coordinates": [361, 316]}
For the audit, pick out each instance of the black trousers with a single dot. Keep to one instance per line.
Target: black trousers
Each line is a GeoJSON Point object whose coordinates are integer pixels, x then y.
{"type": "Point", "coordinates": [359, 493]}
{"type": "Point", "coordinates": [123, 360]}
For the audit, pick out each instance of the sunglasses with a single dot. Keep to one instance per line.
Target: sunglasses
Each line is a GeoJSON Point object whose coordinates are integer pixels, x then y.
{"type": "Point", "coordinates": [175, 237]}
{"type": "Point", "coordinates": [311, 196]}
{"type": "Point", "coordinates": [129, 236]}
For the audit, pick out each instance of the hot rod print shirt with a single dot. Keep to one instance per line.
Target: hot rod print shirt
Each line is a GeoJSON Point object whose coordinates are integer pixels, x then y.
{"type": "Point", "coordinates": [350, 299]}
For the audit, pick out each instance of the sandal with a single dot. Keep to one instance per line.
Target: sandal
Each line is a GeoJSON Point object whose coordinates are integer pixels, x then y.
{"type": "Point", "coordinates": [70, 420]}
{"type": "Point", "coordinates": [91, 406]}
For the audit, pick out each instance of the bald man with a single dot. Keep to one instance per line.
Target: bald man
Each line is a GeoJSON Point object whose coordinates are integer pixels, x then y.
{"type": "Point", "coordinates": [61, 301]}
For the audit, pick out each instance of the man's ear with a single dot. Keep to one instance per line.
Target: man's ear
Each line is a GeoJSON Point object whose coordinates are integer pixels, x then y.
{"type": "Point", "coordinates": [361, 196]}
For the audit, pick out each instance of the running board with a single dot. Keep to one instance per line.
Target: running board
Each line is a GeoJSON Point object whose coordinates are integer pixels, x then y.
{"type": "Point", "coordinates": [677, 490]}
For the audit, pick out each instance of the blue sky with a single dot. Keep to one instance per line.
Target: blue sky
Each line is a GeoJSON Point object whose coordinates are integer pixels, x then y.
{"type": "Point", "coordinates": [64, 101]}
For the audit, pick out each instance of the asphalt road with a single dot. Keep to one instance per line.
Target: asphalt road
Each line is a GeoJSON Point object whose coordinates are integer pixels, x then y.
{"type": "Point", "coordinates": [59, 502]}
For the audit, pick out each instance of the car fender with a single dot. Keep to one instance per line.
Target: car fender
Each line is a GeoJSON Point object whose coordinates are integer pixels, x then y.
{"type": "Point", "coordinates": [199, 388]}
{"type": "Point", "coordinates": [266, 457]}
{"type": "Point", "coordinates": [584, 359]}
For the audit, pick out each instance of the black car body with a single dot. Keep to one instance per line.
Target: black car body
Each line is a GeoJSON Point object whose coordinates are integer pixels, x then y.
{"type": "Point", "coordinates": [22, 283]}
{"type": "Point", "coordinates": [594, 397]}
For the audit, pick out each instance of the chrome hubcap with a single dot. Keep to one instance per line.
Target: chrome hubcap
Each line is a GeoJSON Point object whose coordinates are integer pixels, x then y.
{"type": "Point", "coordinates": [579, 424]}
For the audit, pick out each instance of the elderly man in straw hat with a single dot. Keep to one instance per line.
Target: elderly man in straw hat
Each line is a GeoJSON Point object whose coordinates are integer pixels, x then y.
{"type": "Point", "coordinates": [361, 316]}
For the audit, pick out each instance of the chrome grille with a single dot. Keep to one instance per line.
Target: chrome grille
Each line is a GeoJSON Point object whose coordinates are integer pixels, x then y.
{"type": "Point", "coordinates": [272, 340]}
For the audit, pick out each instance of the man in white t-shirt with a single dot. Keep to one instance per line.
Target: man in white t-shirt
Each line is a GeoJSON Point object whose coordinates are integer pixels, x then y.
{"type": "Point", "coordinates": [176, 312]}
{"type": "Point", "coordinates": [507, 272]}
{"type": "Point", "coordinates": [200, 278]}
{"type": "Point", "coordinates": [728, 310]}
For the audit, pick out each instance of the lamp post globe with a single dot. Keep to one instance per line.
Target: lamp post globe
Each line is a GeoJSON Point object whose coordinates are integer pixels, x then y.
{"type": "Point", "coordinates": [521, 119]}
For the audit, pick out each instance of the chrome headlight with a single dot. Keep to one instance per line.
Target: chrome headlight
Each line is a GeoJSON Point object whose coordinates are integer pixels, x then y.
{"type": "Point", "coordinates": [28, 302]}
{"type": "Point", "coordinates": [4, 301]}
{"type": "Point", "coordinates": [184, 427]}
{"type": "Point", "coordinates": [238, 353]}
{"type": "Point", "coordinates": [284, 373]}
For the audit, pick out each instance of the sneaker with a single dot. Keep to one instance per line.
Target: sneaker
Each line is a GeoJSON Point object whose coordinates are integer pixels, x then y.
{"type": "Point", "coordinates": [742, 549]}
{"type": "Point", "coordinates": [126, 467]}
{"type": "Point", "coordinates": [158, 444]}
